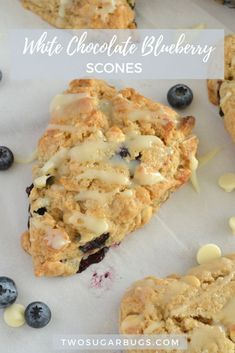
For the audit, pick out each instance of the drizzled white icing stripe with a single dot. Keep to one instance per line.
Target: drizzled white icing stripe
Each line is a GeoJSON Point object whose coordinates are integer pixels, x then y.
{"type": "Point", "coordinates": [96, 225]}
{"type": "Point", "coordinates": [62, 100]}
{"type": "Point", "coordinates": [89, 151]}
{"type": "Point", "coordinates": [63, 5]}
{"type": "Point", "coordinates": [55, 160]}
{"type": "Point", "coordinates": [105, 176]}
{"type": "Point", "coordinates": [94, 195]}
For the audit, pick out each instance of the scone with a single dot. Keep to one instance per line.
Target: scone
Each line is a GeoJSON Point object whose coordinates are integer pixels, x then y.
{"type": "Point", "coordinates": [85, 13]}
{"type": "Point", "coordinates": [106, 162]}
{"type": "Point", "coordinates": [229, 69]}
{"type": "Point", "coordinates": [200, 304]}
{"type": "Point", "coordinates": [222, 92]}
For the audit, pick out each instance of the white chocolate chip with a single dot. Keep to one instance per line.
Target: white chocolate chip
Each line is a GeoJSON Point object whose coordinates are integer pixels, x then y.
{"type": "Point", "coordinates": [41, 182]}
{"type": "Point", "coordinates": [232, 224]}
{"type": "Point", "coordinates": [131, 323]}
{"type": "Point", "coordinates": [191, 280]}
{"type": "Point", "coordinates": [227, 182]}
{"type": "Point", "coordinates": [193, 163]}
{"type": "Point", "coordinates": [208, 253]}
{"type": "Point", "coordinates": [14, 315]}
{"type": "Point", "coordinates": [57, 239]}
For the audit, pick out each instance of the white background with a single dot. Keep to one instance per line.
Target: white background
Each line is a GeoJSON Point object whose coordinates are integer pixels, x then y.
{"type": "Point", "coordinates": [168, 244]}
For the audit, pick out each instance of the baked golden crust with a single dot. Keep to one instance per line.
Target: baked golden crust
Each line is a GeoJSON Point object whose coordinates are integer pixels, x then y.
{"type": "Point", "coordinates": [84, 13]}
{"type": "Point", "coordinates": [107, 161]}
{"type": "Point", "coordinates": [229, 69]}
{"type": "Point", "coordinates": [200, 304]}
{"type": "Point", "coordinates": [227, 106]}
{"type": "Point", "coordinates": [222, 93]}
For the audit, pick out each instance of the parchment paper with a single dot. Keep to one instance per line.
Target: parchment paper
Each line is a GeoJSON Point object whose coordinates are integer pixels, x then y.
{"type": "Point", "coordinates": [167, 245]}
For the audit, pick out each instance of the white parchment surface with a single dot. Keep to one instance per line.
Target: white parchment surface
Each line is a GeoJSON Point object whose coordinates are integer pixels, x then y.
{"type": "Point", "coordinates": [167, 245]}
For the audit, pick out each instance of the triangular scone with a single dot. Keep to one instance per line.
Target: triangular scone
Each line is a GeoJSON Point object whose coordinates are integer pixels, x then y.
{"type": "Point", "coordinates": [85, 13]}
{"type": "Point", "coordinates": [106, 162]}
{"type": "Point", "coordinates": [200, 304]}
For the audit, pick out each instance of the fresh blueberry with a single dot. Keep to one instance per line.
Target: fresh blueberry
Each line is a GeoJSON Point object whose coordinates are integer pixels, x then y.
{"type": "Point", "coordinates": [180, 96]}
{"type": "Point", "coordinates": [37, 315]}
{"type": "Point", "coordinates": [123, 152]}
{"type": "Point", "coordinates": [6, 158]}
{"type": "Point", "coordinates": [8, 292]}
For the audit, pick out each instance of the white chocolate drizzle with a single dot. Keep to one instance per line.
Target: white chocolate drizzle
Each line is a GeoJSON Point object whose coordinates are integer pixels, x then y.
{"type": "Point", "coordinates": [94, 224]}
{"type": "Point", "coordinates": [141, 142]}
{"type": "Point", "coordinates": [103, 197]}
{"type": "Point", "coordinates": [111, 177]}
{"type": "Point", "coordinates": [63, 5]}
{"type": "Point", "coordinates": [144, 177]}
{"type": "Point", "coordinates": [62, 100]}
{"type": "Point", "coordinates": [93, 151]}
{"type": "Point", "coordinates": [55, 161]}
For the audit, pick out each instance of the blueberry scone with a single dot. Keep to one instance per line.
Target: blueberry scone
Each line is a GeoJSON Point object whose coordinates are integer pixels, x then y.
{"type": "Point", "coordinates": [222, 93]}
{"type": "Point", "coordinates": [106, 162]}
{"type": "Point", "coordinates": [200, 304]}
{"type": "Point", "coordinates": [85, 13]}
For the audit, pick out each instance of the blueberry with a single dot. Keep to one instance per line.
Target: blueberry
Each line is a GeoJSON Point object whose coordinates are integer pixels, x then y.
{"type": "Point", "coordinates": [41, 211]}
{"type": "Point", "coordinates": [97, 243]}
{"type": "Point", "coordinates": [92, 259]}
{"type": "Point", "coordinates": [6, 158]}
{"type": "Point", "coordinates": [138, 158]}
{"type": "Point", "coordinates": [180, 96]}
{"type": "Point", "coordinates": [28, 224]}
{"type": "Point", "coordinates": [50, 180]}
{"type": "Point", "coordinates": [8, 292]}
{"type": "Point", "coordinates": [123, 152]}
{"type": "Point", "coordinates": [221, 113]}
{"type": "Point", "coordinates": [29, 189]}
{"type": "Point", "coordinates": [37, 315]}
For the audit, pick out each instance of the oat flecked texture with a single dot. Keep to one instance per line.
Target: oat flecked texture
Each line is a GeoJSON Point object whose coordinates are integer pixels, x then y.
{"type": "Point", "coordinates": [200, 304]}
{"type": "Point", "coordinates": [222, 92]}
{"type": "Point", "coordinates": [106, 163]}
{"type": "Point", "coordinates": [85, 13]}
